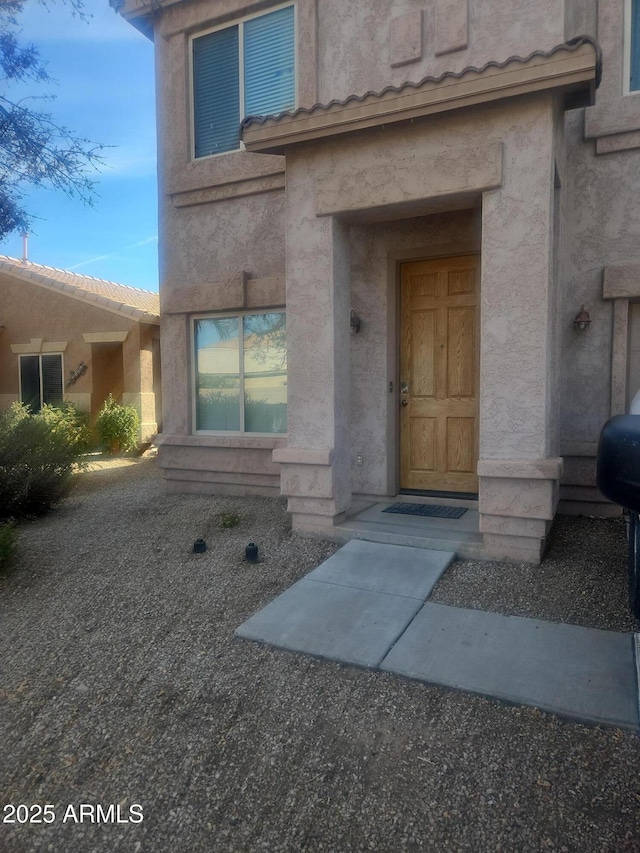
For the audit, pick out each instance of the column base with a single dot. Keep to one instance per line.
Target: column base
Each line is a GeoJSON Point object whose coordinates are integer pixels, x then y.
{"type": "Point", "coordinates": [145, 404]}
{"type": "Point", "coordinates": [517, 503]}
{"type": "Point", "coordinates": [314, 482]}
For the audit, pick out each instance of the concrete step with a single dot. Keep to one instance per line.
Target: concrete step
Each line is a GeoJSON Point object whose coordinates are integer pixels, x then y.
{"type": "Point", "coordinates": [465, 544]}
{"type": "Point", "coordinates": [371, 523]}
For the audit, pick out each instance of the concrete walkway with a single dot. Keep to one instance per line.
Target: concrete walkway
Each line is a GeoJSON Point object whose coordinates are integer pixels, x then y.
{"type": "Point", "coordinates": [366, 605]}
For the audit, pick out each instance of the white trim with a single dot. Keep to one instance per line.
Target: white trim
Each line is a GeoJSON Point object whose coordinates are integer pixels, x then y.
{"type": "Point", "coordinates": [238, 22]}
{"type": "Point", "coordinates": [105, 337]}
{"type": "Point", "coordinates": [626, 50]}
{"type": "Point", "coordinates": [241, 86]}
{"type": "Point", "coordinates": [241, 396]}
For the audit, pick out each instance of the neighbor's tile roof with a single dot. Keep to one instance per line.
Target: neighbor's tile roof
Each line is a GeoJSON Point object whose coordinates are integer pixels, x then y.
{"type": "Point", "coordinates": [135, 303]}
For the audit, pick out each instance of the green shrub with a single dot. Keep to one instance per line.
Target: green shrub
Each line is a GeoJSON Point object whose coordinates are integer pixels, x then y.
{"type": "Point", "coordinates": [229, 520]}
{"type": "Point", "coordinates": [8, 538]}
{"type": "Point", "coordinates": [69, 422]}
{"type": "Point", "coordinates": [36, 463]}
{"type": "Point", "coordinates": [117, 426]}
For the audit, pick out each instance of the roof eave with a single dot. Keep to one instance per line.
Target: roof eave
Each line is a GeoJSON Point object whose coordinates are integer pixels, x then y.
{"type": "Point", "coordinates": [70, 290]}
{"type": "Point", "coordinates": [567, 68]}
{"type": "Point", "coordinates": [139, 14]}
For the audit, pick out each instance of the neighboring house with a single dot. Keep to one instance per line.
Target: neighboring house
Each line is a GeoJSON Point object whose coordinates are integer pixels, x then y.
{"type": "Point", "coordinates": [65, 336]}
{"type": "Point", "coordinates": [464, 175]}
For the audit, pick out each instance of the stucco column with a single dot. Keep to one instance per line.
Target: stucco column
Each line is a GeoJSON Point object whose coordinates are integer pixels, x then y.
{"type": "Point", "coordinates": [518, 470]}
{"type": "Point", "coordinates": [138, 379]}
{"type": "Point", "coordinates": [315, 465]}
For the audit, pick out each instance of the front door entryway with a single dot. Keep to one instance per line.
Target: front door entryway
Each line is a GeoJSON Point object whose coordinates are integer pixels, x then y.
{"type": "Point", "coordinates": [439, 374]}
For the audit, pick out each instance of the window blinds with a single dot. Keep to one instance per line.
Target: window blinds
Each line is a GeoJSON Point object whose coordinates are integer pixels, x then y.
{"type": "Point", "coordinates": [41, 381]}
{"type": "Point", "coordinates": [52, 380]}
{"type": "Point", "coordinates": [216, 92]}
{"type": "Point", "coordinates": [30, 382]}
{"type": "Point", "coordinates": [269, 56]}
{"type": "Point", "coordinates": [263, 78]}
{"type": "Point", "coordinates": [634, 83]}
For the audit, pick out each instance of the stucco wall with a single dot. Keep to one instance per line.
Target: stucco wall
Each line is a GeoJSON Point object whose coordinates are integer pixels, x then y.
{"type": "Point", "coordinates": [360, 43]}
{"type": "Point", "coordinates": [203, 242]}
{"type": "Point", "coordinates": [225, 212]}
{"type": "Point", "coordinates": [601, 227]}
{"type": "Point", "coordinates": [123, 368]}
{"type": "Point", "coordinates": [53, 317]}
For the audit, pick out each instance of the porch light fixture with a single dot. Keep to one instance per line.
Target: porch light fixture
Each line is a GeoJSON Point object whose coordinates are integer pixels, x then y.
{"type": "Point", "coordinates": [354, 322]}
{"type": "Point", "coordinates": [581, 320]}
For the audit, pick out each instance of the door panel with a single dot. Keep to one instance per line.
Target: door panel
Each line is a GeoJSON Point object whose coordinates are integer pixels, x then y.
{"type": "Point", "coordinates": [439, 374]}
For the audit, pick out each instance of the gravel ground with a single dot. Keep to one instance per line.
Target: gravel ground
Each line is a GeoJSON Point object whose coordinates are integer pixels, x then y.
{"type": "Point", "coordinates": [121, 683]}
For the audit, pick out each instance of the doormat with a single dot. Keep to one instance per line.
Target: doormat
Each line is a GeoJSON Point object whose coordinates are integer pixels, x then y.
{"type": "Point", "coordinates": [430, 510]}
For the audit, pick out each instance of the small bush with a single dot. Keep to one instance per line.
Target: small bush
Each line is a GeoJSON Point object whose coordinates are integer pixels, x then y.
{"type": "Point", "coordinates": [8, 538]}
{"type": "Point", "coordinates": [229, 520]}
{"type": "Point", "coordinates": [117, 426]}
{"type": "Point", "coordinates": [36, 463]}
{"type": "Point", "coordinates": [69, 422]}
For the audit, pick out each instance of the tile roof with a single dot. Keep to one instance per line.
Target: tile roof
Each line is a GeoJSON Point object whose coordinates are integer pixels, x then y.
{"type": "Point", "coordinates": [569, 46]}
{"type": "Point", "coordinates": [131, 301]}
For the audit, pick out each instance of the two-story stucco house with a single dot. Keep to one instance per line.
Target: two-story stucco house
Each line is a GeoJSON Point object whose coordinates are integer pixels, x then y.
{"type": "Point", "coordinates": [400, 251]}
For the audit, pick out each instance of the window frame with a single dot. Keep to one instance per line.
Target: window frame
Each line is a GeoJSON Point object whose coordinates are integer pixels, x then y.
{"type": "Point", "coordinates": [39, 356]}
{"type": "Point", "coordinates": [222, 315]}
{"type": "Point", "coordinates": [627, 48]}
{"type": "Point", "coordinates": [239, 23]}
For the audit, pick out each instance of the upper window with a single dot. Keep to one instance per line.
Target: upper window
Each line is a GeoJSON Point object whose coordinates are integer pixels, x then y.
{"type": "Point", "coordinates": [246, 69]}
{"type": "Point", "coordinates": [241, 373]}
{"type": "Point", "coordinates": [40, 381]}
{"type": "Point", "coordinates": [634, 56]}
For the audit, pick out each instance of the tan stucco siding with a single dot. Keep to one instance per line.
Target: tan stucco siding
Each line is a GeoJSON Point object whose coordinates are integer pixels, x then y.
{"type": "Point", "coordinates": [116, 350]}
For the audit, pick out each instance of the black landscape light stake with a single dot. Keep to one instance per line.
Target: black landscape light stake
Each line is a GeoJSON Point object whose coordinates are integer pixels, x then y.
{"type": "Point", "coordinates": [251, 553]}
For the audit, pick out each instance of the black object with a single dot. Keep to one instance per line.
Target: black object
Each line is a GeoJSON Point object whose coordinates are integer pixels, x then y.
{"type": "Point", "coordinates": [634, 563]}
{"type": "Point", "coordinates": [618, 478]}
{"type": "Point", "coordinates": [618, 465]}
{"type": "Point", "coordinates": [429, 510]}
{"type": "Point", "coordinates": [251, 553]}
{"type": "Point", "coordinates": [199, 546]}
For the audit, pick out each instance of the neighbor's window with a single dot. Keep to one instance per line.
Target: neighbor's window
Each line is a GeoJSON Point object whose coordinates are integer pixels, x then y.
{"type": "Point", "coordinates": [247, 69]}
{"type": "Point", "coordinates": [40, 380]}
{"type": "Point", "coordinates": [241, 373]}
{"type": "Point", "coordinates": [634, 78]}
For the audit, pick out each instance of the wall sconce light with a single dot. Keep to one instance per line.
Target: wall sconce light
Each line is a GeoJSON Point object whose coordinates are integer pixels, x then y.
{"type": "Point", "coordinates": [581, 320]}
{"type": "Point", "coordinates": [354, 322]}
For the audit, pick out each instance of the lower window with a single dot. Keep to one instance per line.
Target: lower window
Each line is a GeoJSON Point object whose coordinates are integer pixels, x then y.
{"type": "Point", "coordinates": [241, 373]}
{"type": "Point", "coordinates": [40, 381]}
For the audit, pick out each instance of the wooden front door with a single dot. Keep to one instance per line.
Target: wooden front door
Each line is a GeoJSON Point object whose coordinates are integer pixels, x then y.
{"type": "Point", "coordinates": [439, 374]}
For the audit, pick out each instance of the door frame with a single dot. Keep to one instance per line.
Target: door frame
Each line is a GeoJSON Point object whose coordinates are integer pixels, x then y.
{"type": "Point", "coordinates": [395, 342]}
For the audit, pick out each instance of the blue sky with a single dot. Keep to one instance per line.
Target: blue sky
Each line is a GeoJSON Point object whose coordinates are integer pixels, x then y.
{"type": "Point", "coordinates": [104, 91]}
